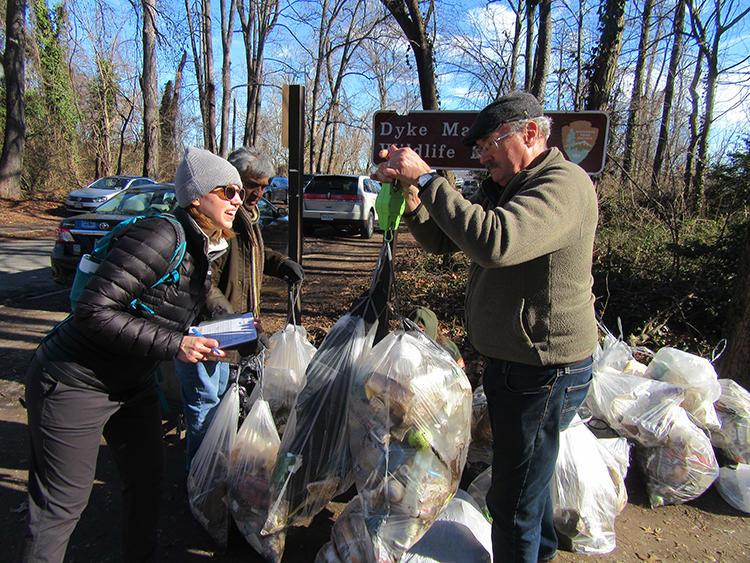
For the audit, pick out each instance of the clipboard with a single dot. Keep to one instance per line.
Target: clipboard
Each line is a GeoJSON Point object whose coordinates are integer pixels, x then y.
{"type": "Point", "coordinates": [230, 330]}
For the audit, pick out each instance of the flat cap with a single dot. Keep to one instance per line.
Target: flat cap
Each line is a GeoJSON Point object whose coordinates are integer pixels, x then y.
{"type": "Point", "coordinates": [513, 106]}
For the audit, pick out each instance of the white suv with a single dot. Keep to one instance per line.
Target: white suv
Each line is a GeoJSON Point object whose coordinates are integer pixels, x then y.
{"type": "Point", "coordinates": [341, 201]}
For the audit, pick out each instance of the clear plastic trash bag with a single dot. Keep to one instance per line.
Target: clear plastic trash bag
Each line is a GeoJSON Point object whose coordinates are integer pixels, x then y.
{"type": "Point", "coordinates": [733, 485]}
{"type": "Point", "coordinates": [207, 479]}
{"type": "Point", "coordinates": [587, 491]}
{"type": "Point", "coordinates": [697, 378]}
{"type": "Point", "coordinates": [733, 409]}
{"type": "Point", "coordinates": [410, 427]}
{"type": "Point", "coordinates": [250, 469]}
{"type": "Point", "coordinates": [681, 469]}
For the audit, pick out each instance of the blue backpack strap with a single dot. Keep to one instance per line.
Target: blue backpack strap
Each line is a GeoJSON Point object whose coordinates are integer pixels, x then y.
{"type": "Point", "coordinates": [173, 275]}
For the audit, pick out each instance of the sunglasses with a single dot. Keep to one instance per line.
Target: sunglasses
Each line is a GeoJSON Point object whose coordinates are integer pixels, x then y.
{"type": "Point", "coordinates": [228, 192]}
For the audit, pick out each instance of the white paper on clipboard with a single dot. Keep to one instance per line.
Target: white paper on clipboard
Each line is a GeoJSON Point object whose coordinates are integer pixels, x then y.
{"type": "Point", "coordinates": [230, 330]}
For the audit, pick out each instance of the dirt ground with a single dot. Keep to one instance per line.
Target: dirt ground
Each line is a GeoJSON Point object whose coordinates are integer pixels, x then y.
{"type": "Point", "coordinates": [338, 269]}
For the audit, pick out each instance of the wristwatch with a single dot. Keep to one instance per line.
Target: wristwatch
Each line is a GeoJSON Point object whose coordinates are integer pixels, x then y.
{"type": "Point", "coordinates": [424, 178]}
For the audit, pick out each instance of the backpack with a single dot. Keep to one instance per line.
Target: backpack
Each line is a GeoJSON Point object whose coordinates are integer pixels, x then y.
{"type": "Point", "coordinates": [90, 262]}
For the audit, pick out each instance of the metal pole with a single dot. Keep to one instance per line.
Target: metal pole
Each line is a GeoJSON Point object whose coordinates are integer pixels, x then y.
{"type": "Point", "coordinates": [296, 136]}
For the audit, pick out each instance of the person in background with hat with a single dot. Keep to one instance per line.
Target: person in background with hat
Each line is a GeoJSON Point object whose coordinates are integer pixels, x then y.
{"type": "Point", "coordinates": [237, 268]}
{"type": "Point", "coordinates": [93, 374]}
{"type": "Point", "coordinates": [529, 232]}
{"type": "Point", "coordinates": [427, 320]}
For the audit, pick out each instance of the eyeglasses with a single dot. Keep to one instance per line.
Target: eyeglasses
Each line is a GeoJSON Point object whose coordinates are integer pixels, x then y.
{"type": "Point", "coordinates": [228, 192]}
{"type": "Point", "coordinates": [478, 151]}
{"type": "Point", "coordinates": [253, 185]}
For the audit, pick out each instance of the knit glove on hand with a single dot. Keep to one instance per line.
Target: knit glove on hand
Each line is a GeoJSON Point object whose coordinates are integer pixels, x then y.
{"type": "Point", "coordinates": [290, 271]}
{"type": "Point", "coordinates": [254, 347]}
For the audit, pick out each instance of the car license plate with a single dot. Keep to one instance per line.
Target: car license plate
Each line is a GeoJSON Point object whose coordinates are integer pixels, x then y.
{"type": "Point", "coordinates": [77, 204]}
{"type": "Point", "coordinates": [326, 216]}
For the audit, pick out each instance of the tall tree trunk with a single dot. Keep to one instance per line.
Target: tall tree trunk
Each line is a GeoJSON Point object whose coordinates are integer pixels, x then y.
{"type": "Point", "coordinates": [602, 79]}
{"type": "Point", "coordinates": [633, 131]}
{"type": "Point", "coordinates": [543, 51]}
{"type": "Point", "coordinates": [168, 117]}
{"type": "Point", "coordinates": [227, 31]}
{"type": "Point", "coordinates": [695, 98]}
{"type": "Point", "coordinates": [414, 26]}
{"type": "Point", "coordinates": [257, 20]}
{"type": "Point", "coordinates": [11, 159]}
{"type": "Point", "coordinates": [209, 124]}
{"type": "Point", "coordinates": [150, 92]}
{"type": "Point", "coordinates": [529, 72]}
{"type": "Point", "coordinates": [514, 55]}
{"type": "Point", "coordinates": [734, 362]}
{"type": "Point", "coordinates": [578, 97]}
{"type": "Point", "coordinates": [198, 65]}
{"type": "Point", "coordinates": [669, 89]}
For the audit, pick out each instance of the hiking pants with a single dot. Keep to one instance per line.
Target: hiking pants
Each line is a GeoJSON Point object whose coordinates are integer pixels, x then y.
{"type": "Point", "coordinates": [66, 421]}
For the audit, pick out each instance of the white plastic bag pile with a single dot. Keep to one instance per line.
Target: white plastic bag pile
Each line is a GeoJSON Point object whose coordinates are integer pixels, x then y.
{"type": "Point", "coordinates": [650, 406]}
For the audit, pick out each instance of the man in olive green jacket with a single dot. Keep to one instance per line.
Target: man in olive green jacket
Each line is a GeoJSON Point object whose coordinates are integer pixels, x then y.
{"type": "Point", "coordinates": [529, 232]}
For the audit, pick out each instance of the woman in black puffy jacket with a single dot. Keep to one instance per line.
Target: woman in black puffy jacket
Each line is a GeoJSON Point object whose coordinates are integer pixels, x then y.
{"type": "Point", "coordinates": [93, 374]}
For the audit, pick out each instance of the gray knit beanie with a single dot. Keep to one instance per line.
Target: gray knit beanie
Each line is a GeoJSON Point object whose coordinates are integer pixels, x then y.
{"type": "Point", "coordinates": [199, 172]}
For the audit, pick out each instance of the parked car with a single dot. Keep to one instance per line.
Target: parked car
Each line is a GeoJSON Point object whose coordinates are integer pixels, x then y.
{"type": "Point", "coordinates": [79, 234]}
{"type": "Point", "coordinates": [96, 193]}
{"type": "Point", "coordinates": [277, 189]}
{"type": "Point", "coordinates": [342, 201]}
{"type": "Point", "coordinates": [469, 187]}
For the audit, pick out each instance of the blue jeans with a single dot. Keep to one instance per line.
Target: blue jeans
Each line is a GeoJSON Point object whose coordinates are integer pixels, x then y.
{"type": "Point", "coordinates": [528, 406]}
{"type": "Point", "coordinates": [202, 386]}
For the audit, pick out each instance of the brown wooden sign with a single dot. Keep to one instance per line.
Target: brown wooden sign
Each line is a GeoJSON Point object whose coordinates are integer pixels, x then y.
{"type": "Point", "coordinates": [436, 137]}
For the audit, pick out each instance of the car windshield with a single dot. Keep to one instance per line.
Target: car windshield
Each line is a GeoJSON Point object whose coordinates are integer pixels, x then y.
{"type": "Point", "coordinates": [139, 201]}
{"type": "Point", "coordinates": [110, 183]}
{"type": "Point", "coordinates": [340, 185]}
{"type": "Point", "coordinates": [279, 181]}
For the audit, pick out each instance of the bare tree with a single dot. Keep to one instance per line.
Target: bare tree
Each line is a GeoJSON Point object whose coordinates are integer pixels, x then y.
{"type": "Point", "coordinates": [677, 42]}
{"type": "Point", "coordinates": [722, 20]}
{"type": "Point", "coordinates": [168, 119]}
{"type": "Point", "coordinates": [257, 20]}
{"type": "Point", "coordinates": [227, 30]}
{"type": "Point", "coordinates": [150, 92]}
{"type": "Point", "coordinates": [201, 44]}
{"type": "Point", "coordinates": [543, 51]}
{"type": "Point", "coordinates": [604, 68]}
{"type": "Point", "coordinates": [409, 17]}
{"type": "Point", "coordinates": [11, 160]}
{"type": "Point", "coordinates": [530, 26]}
{"type": "Point", "coordinates": [636, 98]}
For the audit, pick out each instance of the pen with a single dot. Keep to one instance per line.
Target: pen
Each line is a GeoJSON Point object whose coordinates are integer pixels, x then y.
{"type": "Point", "coordinates": [195, 331]}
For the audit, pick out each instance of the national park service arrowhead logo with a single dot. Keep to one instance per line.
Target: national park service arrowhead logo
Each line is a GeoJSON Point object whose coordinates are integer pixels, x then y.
{"type": "Point", "coordinates": [578, 138]}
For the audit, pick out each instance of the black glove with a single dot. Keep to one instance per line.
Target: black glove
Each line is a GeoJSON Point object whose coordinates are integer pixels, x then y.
{"type": "Point", "coordinates": [254, 347]}
{"type": "Point", "coordinates": [290, 271]}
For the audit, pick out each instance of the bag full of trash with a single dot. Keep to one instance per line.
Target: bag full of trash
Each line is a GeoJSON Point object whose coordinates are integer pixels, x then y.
{"type": "Point", "coordinates": [410, 427]}
{"type": "Point", "coordinates": [587, 491]}
{"type": "Point", "coordinates": [207, 479]}
{"type": "Point", "coordinates": [697, 378]}
{"type": "Point", "coordinates": [250, 469]}
{"type": "Point", "coordinates": [733, 409]}
{"type": "Point", "coordinates": [681, 469]}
